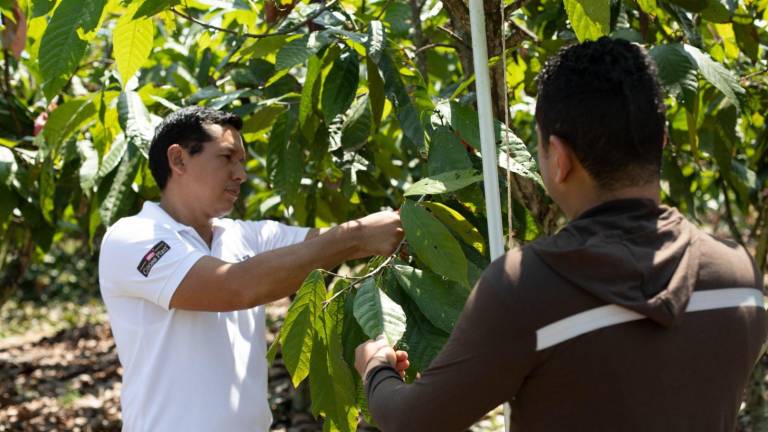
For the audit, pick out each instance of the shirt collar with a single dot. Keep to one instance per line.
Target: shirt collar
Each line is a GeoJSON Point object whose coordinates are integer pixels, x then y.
{"type": "Point", "coordinates": [153, 211]}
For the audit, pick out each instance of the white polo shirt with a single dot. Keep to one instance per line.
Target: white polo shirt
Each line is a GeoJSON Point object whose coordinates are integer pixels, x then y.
{"type": "Point", "coordinates": [185, 370]}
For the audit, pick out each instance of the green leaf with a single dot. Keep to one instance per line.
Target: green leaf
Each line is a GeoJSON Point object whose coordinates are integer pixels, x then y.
{"type": "Point", "coordinates": [340, 86]}
{"type": "Point", "coordinates": [439, 300]}
{"type": "Point", "coordinates": [67, 119]}
{"type": "Point", "coordinates": [377, 314]}
{"type": "Point", "coordinates": [134, 120]}
{"type": "Point", "coordinates": [42, 7]}
{"type": "Point", "coordinates": [300, 50]}
{"type": "Point", "coordinates": [7, 165]}
{"type": "Point", "coordinates": [589, 19]}
{"type": "Point", "coordinates": [152, 7]}
{"type": "Point", "coordinates": [446, 152]}
{"type": "Point", "coordinates": [375, 91]}
{"type": "Point", "coordinates": [406, 112]}
{"type": "Point", "coordinates": [677, 72]}
{"type": "Point", "coordinates": [90, 165]}
{"type": "Point", "coordinates": [357, 125]}
{"type": "Point", "coordinates": [458, 224]}
{"type": "Point", "coordinates": [519, 159]}
{"type": "Point", "coordinates": [445, 182]}
{"type": "Point", "coordinates": [720, 77]}
{"type": "Point", "coordinates": [376, 42]}
{"type": "Point", "coordinates": [332, 388]}
{"type": "Point", "coordinates": [262, 118]}
{"type": "Point", "coordinates": [113, 157]}
{"type": "Point", "coordinates": [433, 243]}
{"type": "Point", "coordinates": [308, 92]}
{"type": "Point", "coordinates": [120, 196]}
{"type": "Point", "coordinates": [297, 333]}
{"type": "Point", "coordinates": [747, 39]}
{"type": "Point", "coordinates": [285, 163]}
{"type": "Point", "coordinates": [352, 334]}
{"type": "Point", "coordinates": [422, 339]}
{"type": "Point", "coordinates": [265, 46]}
{"type": "Point", "coordinates": [717, 11]}
{"type": "Point", "coordinates": [132, 40]}
{"type": "Point", "coordinates": [691, 5]}
{"type": "Point", "coordinates": [61, 49]}
{"type": "Point", "coordinates": [47, 188]}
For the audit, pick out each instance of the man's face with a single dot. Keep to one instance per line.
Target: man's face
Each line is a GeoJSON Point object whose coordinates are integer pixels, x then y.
{"type": "Point", "coordinates": [213, 176]}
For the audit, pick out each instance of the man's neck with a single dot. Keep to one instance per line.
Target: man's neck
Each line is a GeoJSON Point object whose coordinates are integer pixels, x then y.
{"type": "Point", "coordinates": [187, 215]}
{"type": "Point", "coordinates": [590, 200]}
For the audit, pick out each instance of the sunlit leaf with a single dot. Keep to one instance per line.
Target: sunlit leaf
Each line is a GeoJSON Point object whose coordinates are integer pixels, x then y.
{"type": "Point", "coordinates": [377, 314]}
{"type": "Point", "coordinates": [433, 243]}
{"type": "Point", "coordinates": [445, 182]}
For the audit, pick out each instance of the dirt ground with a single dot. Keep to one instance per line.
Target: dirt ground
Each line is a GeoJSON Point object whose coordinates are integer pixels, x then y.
{"type": "Point", "coordinates": [69, 380]}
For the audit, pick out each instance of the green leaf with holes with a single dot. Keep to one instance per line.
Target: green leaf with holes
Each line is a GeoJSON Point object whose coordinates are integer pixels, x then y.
{"type": "Point", "coordinates": [431, 241]}
{"type": "Point", "coordinates": [445, 182]}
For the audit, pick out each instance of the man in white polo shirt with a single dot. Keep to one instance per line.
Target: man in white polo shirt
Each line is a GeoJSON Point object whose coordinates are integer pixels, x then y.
{"type": "Point", "coordinates": [184, 287]}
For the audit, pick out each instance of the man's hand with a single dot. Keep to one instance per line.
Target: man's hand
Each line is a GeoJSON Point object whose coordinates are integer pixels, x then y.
{"type": "Point", "coordinates": [377, 234]}
{"type": "Point", "coordinates": [378, 352]}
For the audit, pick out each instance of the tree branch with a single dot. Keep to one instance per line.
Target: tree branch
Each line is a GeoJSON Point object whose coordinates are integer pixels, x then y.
{"type": "Point", "coordinates": [288, 30]}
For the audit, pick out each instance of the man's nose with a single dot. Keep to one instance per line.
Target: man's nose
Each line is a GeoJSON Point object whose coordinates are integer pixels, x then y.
{"type": "Point", "coordinates": [240, 174]}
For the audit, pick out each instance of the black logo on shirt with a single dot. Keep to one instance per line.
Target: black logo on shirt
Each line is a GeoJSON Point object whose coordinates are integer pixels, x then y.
{"type": "Point", "coordinates": [152, 257]}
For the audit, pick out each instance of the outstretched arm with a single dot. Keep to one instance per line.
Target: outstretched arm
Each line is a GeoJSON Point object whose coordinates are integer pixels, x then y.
{"type": "Point", "coordinates": [214, 285]}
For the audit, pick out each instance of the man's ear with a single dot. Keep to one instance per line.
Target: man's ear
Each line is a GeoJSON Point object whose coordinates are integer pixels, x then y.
{"type": "Point", "coordinates": [176, 159]}
{"type": "Point", "coordinates": [562, 156]}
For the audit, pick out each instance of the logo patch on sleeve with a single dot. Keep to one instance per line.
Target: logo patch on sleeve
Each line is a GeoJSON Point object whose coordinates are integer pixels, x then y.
{"type": "Point", "coordinates": [152, 257]}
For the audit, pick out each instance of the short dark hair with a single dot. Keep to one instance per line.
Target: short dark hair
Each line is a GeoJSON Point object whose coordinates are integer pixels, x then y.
{"type": "Point", "coordinates": [604, 99]}
{"type": "Point", "coordinates": [186, 128]}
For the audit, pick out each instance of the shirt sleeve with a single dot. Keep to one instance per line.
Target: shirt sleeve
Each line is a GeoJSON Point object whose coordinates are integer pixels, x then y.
{"type": "Point", "coordinates": [266, 235]}
{"type": "Point", "coordinates": [482, 365]}
{"type": "Point", "coordinates": [148, 266]}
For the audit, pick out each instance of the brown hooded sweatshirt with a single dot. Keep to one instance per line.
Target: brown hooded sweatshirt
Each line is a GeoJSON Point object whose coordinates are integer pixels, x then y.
{"type": "Point", "coordinates": [628, 319]}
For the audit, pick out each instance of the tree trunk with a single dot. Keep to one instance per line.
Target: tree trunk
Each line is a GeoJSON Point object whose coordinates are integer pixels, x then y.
{"type": "Point", "coordinates": [523, 189]}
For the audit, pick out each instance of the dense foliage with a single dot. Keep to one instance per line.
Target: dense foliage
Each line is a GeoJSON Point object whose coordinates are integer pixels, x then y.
{"type": "Point", "coordinates": [351, 106]}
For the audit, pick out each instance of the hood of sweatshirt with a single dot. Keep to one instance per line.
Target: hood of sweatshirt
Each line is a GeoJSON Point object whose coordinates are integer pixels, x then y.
{"type": "Point", "coordinates": [630, 252]}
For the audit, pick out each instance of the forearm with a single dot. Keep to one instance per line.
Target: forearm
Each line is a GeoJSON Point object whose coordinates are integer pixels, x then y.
{"type": "Point", "coordinates": [278, 273]}
{"type": "Point", "coordinates": [481, 365]}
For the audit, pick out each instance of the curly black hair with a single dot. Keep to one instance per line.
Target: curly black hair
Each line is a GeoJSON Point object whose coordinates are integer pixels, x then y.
{"type": "Point", "coordinates": [186, 128]}
{"type": "Point", "coordinates": [604, 99]}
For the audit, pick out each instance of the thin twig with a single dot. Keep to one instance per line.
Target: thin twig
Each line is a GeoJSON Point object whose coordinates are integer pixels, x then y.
{"type": "Point", "coordinates": [357, 279]}
{"type": "Point", "coordinates": [453, 34]}
{"type": "Point", "coordinates": [754, 74]}
{"type": "Point", "coordinates": [435, 45]}
{"type": "Point", "coordinates": [288, 30]}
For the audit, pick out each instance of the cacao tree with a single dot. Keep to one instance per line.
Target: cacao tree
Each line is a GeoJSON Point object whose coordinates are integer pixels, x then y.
{"type": "Point", "coordinates": [351, 106]}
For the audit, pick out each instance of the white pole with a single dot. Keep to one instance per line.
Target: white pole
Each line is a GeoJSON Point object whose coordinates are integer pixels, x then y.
{"type": "Point", "coordinates": [487, 140]}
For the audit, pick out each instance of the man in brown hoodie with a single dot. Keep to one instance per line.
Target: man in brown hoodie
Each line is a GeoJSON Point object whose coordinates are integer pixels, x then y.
{"type": "Point", "coordinates": [628, 319]}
